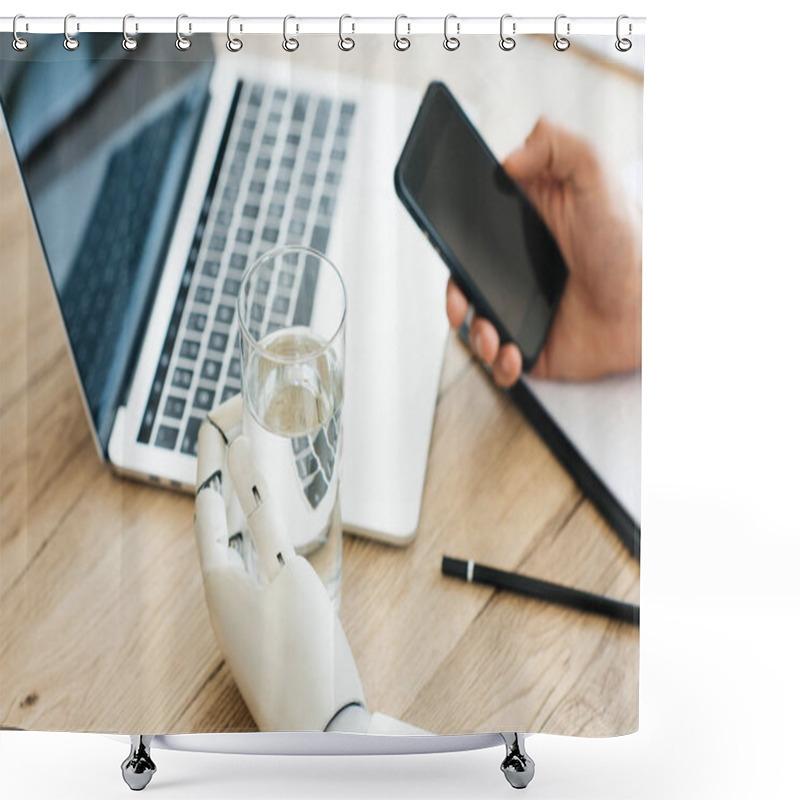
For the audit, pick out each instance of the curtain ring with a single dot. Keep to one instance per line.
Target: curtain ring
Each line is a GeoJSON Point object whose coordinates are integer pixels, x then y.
{"type": "Point", "coordinates": [560, 43]}
{"type": "Point", "coordinates": [401, 43]}
{"type": "Point", "coordinates": [290, 44]}
{"type": "Point", "coordinates": [507, 42]}
{"type": "Point", "coordinates": [70, 42]}
{"type": "Point", "coordinates": [18, 43]}
{"type": "Point", "coordinates": [346, 43]}
{"type": "Point", "coordinates": [128, 42]}
{"type": "Point", "coordinates": [181, 42]}
{"type": "Point", "coordinates": [623, 45]}
{"type": "Point", "coordinates": [233, 44]}
{"type": "Point", "coordinates": [451, 43]}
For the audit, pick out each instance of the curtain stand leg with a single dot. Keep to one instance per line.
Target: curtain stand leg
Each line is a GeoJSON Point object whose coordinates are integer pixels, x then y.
{"type": "Point", "coordinates": [517, 766]}
{"type": "Point", "coordinates": [138, 768]}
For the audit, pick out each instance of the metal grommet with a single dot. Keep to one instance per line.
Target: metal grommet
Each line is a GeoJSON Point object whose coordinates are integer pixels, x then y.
{"type": "Point", "coordinates": [401, 43]}
{"type": "Point", "coordinates": [560, 43]}
{"type": "Point", "coordinates": [181, 42]}
{"type": "Point", "coordinates": [451, 43]}
{"type": "Point", "coordinates": [346, 43]}
{"type": "Point", "coordinates": [233, 44]}
{"type": "Point", "coordinates": [128, 42]}
{"type": "Point", "coordinates": [507, 42]}
{"type": "Point", "coordinates": [70, 42]}
{"type": "Point", "coordinates": [289, 43]}
{"type": "Point", "coordinates": [623, 45]}
{"type": "Point", "coordinates": [18, 43]}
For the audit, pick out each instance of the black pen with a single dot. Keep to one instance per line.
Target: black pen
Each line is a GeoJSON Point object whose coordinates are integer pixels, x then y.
{"type": "Point", "coordinates": [541, 590]}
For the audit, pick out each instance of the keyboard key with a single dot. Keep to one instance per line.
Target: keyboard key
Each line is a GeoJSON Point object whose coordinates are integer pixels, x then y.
{"type": "Point", "coordinates": [174, 407]}
{"type": "Point", "coordinates": [307, 465]}
{"type": "Point", "coordinates": [231, 287]}
{"type": "Point", "coordinates": [321, 118]}
{"type": "Point", "coordinates": [204, 399]}
{"type": "Point", "coordinates": [211, 369]}
{"type": "Point", "coordinates": [196, 322]}
{"type": "Point", "coordinates": [217, 243]}
{"type": "Point", "coordinates": [280, 305]}
{"type": "Point", "coordinates": [238, 261]}
{"type": "Point", "coordinates": [299, 110]}
{"type": "Point", "coordinates": [182, 378]}
{"type": "Point", "coordinates": [319, 239]}
{"type": "Point", "coordinates": [228, 392]}
{"type": "Point", "coordinates": [224, 314]}
{"type": "Point", "coordinates": [166, 437]}
{"type": "Point", "coordinates": [204, 294]}
{"type": "Point", "coordinates": [324, 454]}
{"type": "Point", "coordinates": [316, 490]}
{"type": "Point", "coordinates": [218, 341]}
{"type": "Point", "coordinates": [190, 349]}
{"type": "Point", "coordinates": [189, 443]}
{"type": "Point", "coordinates": [211, 269]}
{"type": "Point", "coordinates": [299, 443]}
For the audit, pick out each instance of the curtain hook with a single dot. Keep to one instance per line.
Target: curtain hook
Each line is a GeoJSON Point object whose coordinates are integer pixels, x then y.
{"type": "Point", "coordinates": [233, 44]}
{"type": "Point", "coordinates": [623, 45]}
{"type": "Point", "coordinates": [560, 43]}
{"type": "Point", "coordinates": [128, 42]}
{"type": "Point", "coordinates": [70, 42]}
{"type": "Point", "coordinates": [451, 43]}
{"type": "Point", "coordinates": [507, 42]}
{"type": "Point", "coordinates": [181, 42]}
{"type": "Point", "coordinates": [346, 43]}
{"type": "Point", "coordinates": [401, 43]}
{"type": "Point", "coordinates": [290, 44]}
{"type": "Point", "coordinates": [18, 43]}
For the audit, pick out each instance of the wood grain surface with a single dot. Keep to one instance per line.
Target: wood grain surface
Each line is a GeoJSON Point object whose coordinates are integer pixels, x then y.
{"type": "Point", "coordinates": [103, 624]}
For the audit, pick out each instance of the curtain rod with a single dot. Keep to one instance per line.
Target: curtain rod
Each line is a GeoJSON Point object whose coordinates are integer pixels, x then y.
{"type": "Point", "coordinates": [298, 25]}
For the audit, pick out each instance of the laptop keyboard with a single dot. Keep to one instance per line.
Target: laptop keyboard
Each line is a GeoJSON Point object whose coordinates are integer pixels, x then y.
{"type": "Point", "coordinates": [277, 184]}
{"type": "Point", "coordinates": [111, 249]}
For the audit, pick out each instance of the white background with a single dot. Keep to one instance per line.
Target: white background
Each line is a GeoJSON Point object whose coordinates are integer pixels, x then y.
{"type": "Point", "coordinates": [720, 689]}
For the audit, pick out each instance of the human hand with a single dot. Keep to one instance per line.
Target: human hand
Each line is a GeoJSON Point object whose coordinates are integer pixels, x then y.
{"type": "Point", "coordinates": [272, 618]}
{"type": "Point", "coordinates": [597, 327]}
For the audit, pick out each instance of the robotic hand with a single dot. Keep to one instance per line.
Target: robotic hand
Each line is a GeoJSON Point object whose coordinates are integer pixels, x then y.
{"type": "Point", "coordinates": [271, 615]}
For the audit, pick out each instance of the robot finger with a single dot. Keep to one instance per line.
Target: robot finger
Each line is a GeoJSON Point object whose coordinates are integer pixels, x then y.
{"type": "Point", "coordinates": [272, 541]}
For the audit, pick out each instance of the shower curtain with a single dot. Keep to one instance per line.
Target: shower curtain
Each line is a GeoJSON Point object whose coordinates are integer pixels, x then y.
{"type": "Point", "coordinates": [111, 619]}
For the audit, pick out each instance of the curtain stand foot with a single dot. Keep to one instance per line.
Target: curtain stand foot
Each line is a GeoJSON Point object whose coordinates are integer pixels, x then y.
{"type": "Point", "coordinates": [517, 766]}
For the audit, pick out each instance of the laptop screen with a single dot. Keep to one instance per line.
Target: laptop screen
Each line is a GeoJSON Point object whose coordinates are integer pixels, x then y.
{"type": "Point", "coordinates": [104, 137]}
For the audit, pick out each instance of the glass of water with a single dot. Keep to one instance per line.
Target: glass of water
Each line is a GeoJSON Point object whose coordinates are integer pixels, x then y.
{"type": "Point", "coordinates": [292, 307]}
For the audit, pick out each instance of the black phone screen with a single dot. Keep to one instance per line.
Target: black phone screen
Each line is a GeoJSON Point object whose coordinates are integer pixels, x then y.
{"type": "Point", "coordinates": [495, 243]}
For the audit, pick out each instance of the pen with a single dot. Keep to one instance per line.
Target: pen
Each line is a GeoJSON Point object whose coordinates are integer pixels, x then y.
{"type": "Point", "coordinates": [541, 590]}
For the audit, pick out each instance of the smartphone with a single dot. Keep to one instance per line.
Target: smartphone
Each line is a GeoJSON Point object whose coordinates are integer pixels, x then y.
{"type": "Point", "coordinates": [496, 246]}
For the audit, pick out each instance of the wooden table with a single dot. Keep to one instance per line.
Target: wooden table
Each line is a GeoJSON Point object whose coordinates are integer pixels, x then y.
{"type": "Point", "coordinates": [103, 624]}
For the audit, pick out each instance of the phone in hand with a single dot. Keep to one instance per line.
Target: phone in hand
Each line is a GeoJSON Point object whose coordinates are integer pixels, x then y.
{"type": "Point", "coordinates": [496, 246]}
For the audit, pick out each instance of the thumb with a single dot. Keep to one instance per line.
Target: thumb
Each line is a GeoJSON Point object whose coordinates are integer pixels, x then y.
{"type": "Point", "coordinates": [552, 151]}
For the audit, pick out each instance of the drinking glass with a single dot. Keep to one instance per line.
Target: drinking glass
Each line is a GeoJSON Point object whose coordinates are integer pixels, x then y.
{"type": "Point", "coordinates": [291, 308]}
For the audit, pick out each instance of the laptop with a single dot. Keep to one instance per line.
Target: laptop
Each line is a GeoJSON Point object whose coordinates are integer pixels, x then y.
{"type": "Point", "coordinates": [155, 177]}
